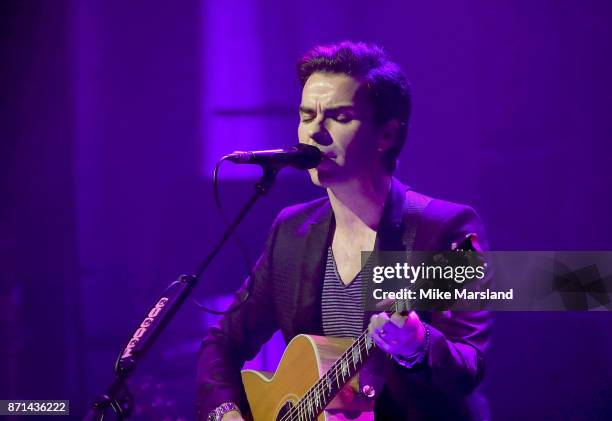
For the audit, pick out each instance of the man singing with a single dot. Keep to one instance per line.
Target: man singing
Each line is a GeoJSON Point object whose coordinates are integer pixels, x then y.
{"type": "Point", "coordinates": [355, 109]}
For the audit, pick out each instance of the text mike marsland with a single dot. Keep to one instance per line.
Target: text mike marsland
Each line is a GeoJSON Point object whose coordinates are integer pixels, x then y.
{"type": "Point", "coordinates": [301, 157]}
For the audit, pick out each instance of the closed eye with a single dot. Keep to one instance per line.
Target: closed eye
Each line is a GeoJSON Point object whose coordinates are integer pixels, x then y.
{"type": "Point", "coordinates": [306, 114]}
{"type": "Point", "coordinates": [343, 118]}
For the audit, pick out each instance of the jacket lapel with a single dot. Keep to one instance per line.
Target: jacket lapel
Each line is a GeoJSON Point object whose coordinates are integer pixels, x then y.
{"type": "Point", "coordinates": [391, 227]}
{"type": "Point", "coordinates": [318, 231]}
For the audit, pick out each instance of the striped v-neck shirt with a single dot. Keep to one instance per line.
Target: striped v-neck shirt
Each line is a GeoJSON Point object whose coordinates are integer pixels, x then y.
{"type": "Point", "coordinates": [342, 305]}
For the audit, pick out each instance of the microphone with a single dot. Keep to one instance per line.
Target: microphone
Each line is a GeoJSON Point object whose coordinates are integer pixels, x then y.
{"type": "Point", "coordinates": [301, 157]}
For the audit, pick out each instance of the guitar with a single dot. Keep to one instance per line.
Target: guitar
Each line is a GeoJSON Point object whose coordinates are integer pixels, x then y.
{"type": "Point", "coordinates": [316, 378]}
{"type": "Point", "coordinates": [312, 372]}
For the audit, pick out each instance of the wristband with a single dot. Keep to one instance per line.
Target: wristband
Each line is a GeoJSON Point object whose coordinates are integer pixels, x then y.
{"type": "Point", "coordinates": [419, 356]}
{"type": "Point", "coordinates": [218, 412]}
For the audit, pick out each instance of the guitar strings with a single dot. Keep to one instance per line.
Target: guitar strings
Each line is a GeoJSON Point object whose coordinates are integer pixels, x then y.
{"type": "Point", "coordinates": [336, 368]}
{"type": "Point", "coordinates": [300, 407]}
{"type": "Point", "coordinates": [318, 387]}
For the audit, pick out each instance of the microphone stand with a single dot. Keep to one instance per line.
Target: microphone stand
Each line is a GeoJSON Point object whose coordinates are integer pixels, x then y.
{"type": "Point", "coordinates": [159, 316]}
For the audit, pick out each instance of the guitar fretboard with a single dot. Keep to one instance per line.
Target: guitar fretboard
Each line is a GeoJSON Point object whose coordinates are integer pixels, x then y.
{"type": "Point", "coordinates": [328, 386]}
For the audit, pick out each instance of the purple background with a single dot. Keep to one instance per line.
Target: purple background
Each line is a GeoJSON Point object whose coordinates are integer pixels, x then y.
{"type": "Point", "coordinates": [113, 114]}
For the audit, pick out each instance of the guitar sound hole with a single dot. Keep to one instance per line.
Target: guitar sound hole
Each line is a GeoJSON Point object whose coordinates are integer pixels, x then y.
{"type": "Point", "coordinates": [286, 408]}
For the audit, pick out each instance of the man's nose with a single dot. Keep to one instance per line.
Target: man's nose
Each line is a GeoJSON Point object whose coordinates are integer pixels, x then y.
{"type": "Point", "coordinates": [320, 134]}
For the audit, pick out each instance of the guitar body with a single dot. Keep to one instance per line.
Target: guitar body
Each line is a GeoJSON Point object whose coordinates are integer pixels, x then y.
{"type": "Point", "coordinates": [306, 359]}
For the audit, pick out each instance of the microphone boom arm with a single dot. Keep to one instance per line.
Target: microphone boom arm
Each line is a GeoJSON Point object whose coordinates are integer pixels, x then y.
{"type": "Point", "coordinates": [162, 312]}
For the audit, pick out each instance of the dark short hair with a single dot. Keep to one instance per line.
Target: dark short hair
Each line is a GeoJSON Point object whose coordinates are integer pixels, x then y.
{"type": "Point", "coordinates": [388, 87]}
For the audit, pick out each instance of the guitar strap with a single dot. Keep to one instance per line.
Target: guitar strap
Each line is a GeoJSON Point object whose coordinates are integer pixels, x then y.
{"type": "Point", "coordinates": [373, 372]}
{"type": "Point", "coordinates": [414, 205]}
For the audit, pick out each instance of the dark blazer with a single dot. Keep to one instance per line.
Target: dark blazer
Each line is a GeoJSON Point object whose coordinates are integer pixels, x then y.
{"type": "Point", "coordinates": [286, 295]}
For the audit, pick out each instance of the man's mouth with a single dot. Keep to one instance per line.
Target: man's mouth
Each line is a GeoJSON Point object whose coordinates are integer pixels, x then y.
{"type": "Point", "coordinates": [328, 160]}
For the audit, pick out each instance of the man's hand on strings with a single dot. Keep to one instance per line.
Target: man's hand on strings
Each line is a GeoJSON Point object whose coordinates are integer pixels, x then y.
{"type": "Point", "coordinates": [397, 335]}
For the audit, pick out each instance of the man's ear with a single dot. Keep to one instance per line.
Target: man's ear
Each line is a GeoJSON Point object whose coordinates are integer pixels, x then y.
{"type": "Point", "coordinates": [388, 135]}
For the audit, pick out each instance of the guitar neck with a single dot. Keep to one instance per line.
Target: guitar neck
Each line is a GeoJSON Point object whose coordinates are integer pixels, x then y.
{"type": "Point", "coordinates": [327, 387]}
{"type": "Point", "coordinates": [352, 360]}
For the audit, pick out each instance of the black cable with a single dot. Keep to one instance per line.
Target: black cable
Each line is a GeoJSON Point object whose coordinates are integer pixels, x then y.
{"type": "Point", "coordinates": [238, 242]}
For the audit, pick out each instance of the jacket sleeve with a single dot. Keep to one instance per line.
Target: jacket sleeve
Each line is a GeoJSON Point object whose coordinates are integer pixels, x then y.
{"type": "Point", "coordinates": [237, 338]}
{"type": "Point", "coordinates": [458, 339]}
